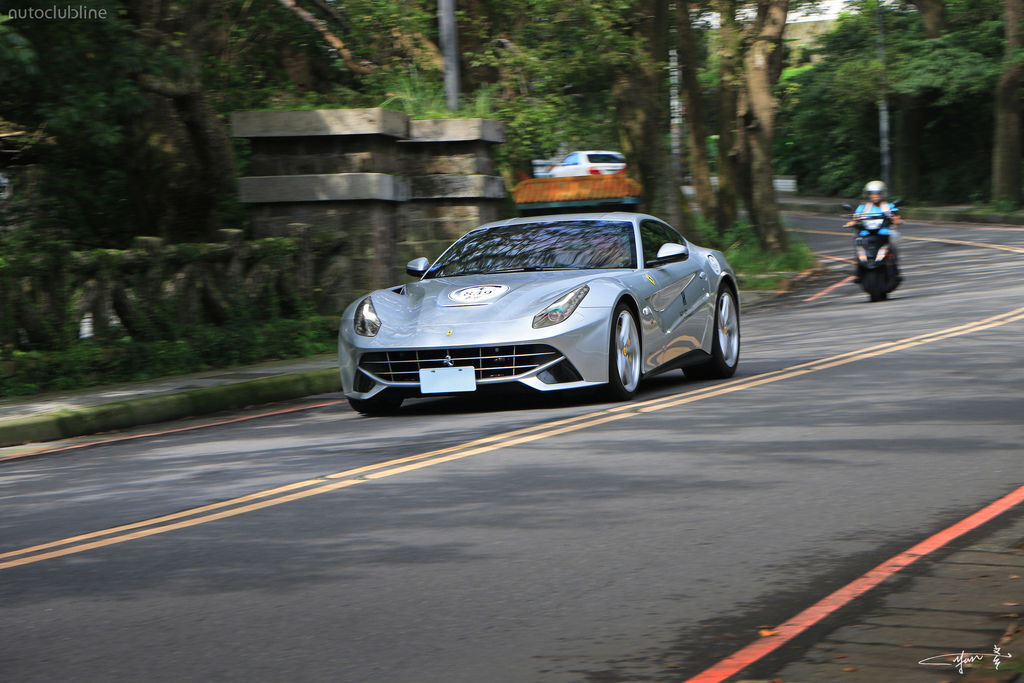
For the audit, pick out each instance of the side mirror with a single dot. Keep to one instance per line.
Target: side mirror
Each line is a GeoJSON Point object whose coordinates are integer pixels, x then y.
{"type": "Point", "coordinates": [669, 252]}
{"type": "Point", "coordinates": [847, 207]}
{"type": "Point", "coordinates": [896, 202]}
{"type": "Point", "coordinates": [417, 267]}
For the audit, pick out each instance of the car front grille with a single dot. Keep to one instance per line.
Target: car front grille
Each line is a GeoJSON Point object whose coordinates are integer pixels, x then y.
{"type": "Point", "coordinates": [490, 362]}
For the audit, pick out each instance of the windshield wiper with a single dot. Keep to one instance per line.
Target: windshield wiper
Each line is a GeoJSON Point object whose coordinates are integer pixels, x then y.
{"type": "Point", "coordinates": [534, 269]}
{"type": "Point", "coordinates": [523, 269]}
{"type": "Point", "coordinates": [440, 273]}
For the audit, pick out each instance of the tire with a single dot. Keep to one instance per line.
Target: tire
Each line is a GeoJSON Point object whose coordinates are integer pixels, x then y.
{"type": "Point", "coordinates": [725, 347]}
{"type": "Point", "coordinates": [381, 404]}
{"type": "Point", "coordinates": [624, 356]}
{"type": "Point", "coordinates": [873, 285]}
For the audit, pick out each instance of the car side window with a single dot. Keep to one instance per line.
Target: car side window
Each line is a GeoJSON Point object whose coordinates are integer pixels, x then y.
{"type": "Point", "coordinates": [653, 234]}
{"type": "Point", "coordinates": [571, 160]}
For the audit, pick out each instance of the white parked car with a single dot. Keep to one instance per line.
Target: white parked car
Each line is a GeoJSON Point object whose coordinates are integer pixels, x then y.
{"type": "Point", "coordinates": [590, 162]}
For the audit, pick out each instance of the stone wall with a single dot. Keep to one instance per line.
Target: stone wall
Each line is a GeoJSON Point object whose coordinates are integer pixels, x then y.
{"type": "Point", "coordinates": [382, 187]}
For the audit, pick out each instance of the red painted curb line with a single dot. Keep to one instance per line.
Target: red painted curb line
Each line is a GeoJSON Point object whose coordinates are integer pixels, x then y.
{"type": "Point", "coordinates": [848, 279]}
{"type": "Point", "coordinates": [812, 615]}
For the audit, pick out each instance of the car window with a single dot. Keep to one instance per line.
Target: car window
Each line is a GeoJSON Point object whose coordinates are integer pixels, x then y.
{"type": "Point", "coordinates": [606, 158]}
{"type": "Point", "coordinates": [571, 160]}
{"type": "Point", "coordinates": [653, 234]}
{"type": "Point", "coordinates": [548, 245]}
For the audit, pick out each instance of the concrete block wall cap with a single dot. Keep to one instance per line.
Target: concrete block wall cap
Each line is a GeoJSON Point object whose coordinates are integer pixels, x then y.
{"type": "Point", "coordinates": [283, 124]}
{"type": "Point", "coordinates": [323, 188]}
{"type": "Point", "coordinates": [66, 424]}
{"type": "Point", "coordinates": [456, 130]}
{"type": "Point", "coordinates": [457, 186]}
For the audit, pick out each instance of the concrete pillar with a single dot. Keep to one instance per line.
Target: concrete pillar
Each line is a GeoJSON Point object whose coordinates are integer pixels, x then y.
{"type": "Point", "coordinates": [374, 188]}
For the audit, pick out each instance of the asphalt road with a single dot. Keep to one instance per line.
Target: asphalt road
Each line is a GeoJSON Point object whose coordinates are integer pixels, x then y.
{"type": "Point", "coordinates": [573, 541]}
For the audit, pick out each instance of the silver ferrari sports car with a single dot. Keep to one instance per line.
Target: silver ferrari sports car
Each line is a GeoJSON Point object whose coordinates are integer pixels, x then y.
{"type": "Point", "coordinates": [549, 302]}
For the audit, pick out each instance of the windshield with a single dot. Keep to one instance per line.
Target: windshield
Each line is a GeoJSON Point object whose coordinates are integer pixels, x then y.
{"type": "Point", "coordinates": [552, 245]}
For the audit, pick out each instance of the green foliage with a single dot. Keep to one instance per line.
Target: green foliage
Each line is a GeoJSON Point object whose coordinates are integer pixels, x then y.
{"type": "Point", "coordinates": [77, 97]}
{"type": "Point", "coordinates": [88, 362]}
{"type": "Point", "coordinates": [15, 51]}
{"type": "Point", "coordinates": [755, 268]}
{"type": "Point", "coordinates": [937, 89]}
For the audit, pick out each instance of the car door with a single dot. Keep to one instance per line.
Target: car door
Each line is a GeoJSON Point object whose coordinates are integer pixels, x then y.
{"type": "Point", "coordinates": [672, 323]}
{"type": "Point", "coordinates": [570, 166]}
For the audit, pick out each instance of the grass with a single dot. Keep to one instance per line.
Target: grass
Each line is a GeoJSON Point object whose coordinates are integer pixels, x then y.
{"type": "Point", "coordinates": [424, 98]}
{"type": "Point", "coordinates": [756, 268]}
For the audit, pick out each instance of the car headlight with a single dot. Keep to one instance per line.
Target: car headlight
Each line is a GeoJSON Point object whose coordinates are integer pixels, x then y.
{"type": "Point", "coordinates": [561, 309]}
{"type": "Point", "coordinates": [366, 321]}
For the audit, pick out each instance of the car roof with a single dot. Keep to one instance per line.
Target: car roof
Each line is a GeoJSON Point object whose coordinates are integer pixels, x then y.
{"type": "Point", "coordinates": [551, 218]}
{"type": "Point", "coordinates": [596, 151]}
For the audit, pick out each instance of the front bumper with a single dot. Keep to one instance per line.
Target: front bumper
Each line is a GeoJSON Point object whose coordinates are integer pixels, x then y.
{"type": "Point", "coordinates": [569, 355]}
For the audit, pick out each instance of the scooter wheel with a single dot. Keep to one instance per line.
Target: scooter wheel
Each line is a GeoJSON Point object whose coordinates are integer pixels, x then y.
{"type": "Point", "coordinates": [872, 283]}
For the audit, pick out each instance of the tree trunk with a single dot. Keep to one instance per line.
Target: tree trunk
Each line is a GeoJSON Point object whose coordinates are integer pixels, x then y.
{"type": "Point", "coordinates": [761, 64]}
{"type": "Point", "coordinates": [908, 141]}
{"type": "Point", "coordinates": [700, 167]}
{"type": "Point", "coordinates": [729, 56]}
{"type": "Point", "coordinates": [331, 39]}
{"type": "Point", "coordinates": [197, 141]}
{"type": "Point", "coordinates": [933, 15]}
{"type": "Point", "coordinates": [641, 107]}
{"type": "Point", "coordinates": [908, 146]}
{"type": "Point", "coordinates": [741, 155]}
{"type": "Point", "coordinates": [1006, 147]}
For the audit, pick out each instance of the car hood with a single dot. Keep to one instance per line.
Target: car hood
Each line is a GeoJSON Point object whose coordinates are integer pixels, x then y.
{"type": "Point", "coordinates": [506, 297]}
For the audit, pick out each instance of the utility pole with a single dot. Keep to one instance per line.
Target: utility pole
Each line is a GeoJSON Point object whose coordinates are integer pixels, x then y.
{"type": "Point", "coordinates": [883, 103]}
{"type": "Point", "coordinates": [450, 52]}
{"type": "Point", "coordinates": [675, 105]}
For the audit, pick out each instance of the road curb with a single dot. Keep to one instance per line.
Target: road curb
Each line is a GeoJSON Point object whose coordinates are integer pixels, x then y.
{"type": "Point", "coordinates": [752, 297]}
{"type": "Point", "coordinates": [948, 215]}
{"type": "Point", "coordinates": [64, 424]}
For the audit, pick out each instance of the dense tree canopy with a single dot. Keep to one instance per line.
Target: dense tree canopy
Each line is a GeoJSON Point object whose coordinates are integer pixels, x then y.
{"type": "Point", "coordinates": [941, 98]}
{"type": "Point", "coordinates": [123, 120]}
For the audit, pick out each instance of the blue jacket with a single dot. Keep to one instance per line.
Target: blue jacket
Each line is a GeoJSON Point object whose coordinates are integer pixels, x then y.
{"type": "Point", "coordinates": [876, 211]}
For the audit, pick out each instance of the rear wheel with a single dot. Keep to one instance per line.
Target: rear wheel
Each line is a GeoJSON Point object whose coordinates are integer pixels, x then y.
{"type": "Point", "coordinates": [725, 347]}
{"type": "Point", "coordinates": [623, 355]}
{"type": "Point", "coordinates": [381, 404]}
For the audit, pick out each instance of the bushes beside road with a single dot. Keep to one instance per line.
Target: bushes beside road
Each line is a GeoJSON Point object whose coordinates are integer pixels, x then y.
{"type": "Point", "coordinates": [89, 362]}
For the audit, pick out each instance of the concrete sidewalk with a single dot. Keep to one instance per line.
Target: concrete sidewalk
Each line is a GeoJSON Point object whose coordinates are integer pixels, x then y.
{"type": "Point", "coordinates": [48, 417]}
{"type": "Point", "coordinates": [967, 602]}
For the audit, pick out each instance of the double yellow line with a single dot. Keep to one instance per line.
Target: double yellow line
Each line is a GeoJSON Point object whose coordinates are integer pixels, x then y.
{"type": "Point", "coordinates": [339, 480]}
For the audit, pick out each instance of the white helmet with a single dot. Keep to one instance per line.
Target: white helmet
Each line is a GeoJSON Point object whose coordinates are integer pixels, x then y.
{"type": "Point", "coordinates": [875, 186]}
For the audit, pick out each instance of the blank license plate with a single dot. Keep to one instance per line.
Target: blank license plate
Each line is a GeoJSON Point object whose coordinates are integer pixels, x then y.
{"type": "Point", "coordinates": [447, 380]}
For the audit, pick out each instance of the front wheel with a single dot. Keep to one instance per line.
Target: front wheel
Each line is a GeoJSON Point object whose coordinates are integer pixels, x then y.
{"type": "Point", "coordinates": [725, 346]}
{"type": "Point", "coordinates": [873, 283]}
{"type": "Point", "coordinates": [623, 355]}
{"type": "Point", "coordinates": [381, 404]}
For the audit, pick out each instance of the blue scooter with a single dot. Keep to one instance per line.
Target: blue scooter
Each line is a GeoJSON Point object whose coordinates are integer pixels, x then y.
{"type": "Point", "coordinates": [877, 267]}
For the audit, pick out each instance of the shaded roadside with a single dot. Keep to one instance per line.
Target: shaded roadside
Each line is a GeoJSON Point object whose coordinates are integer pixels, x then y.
{"type": "Point", "coordinates": [94, 410]}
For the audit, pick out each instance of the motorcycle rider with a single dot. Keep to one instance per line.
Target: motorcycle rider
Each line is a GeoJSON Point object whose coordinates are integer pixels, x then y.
{"type": "Point", "coordinates": [876, 206]}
